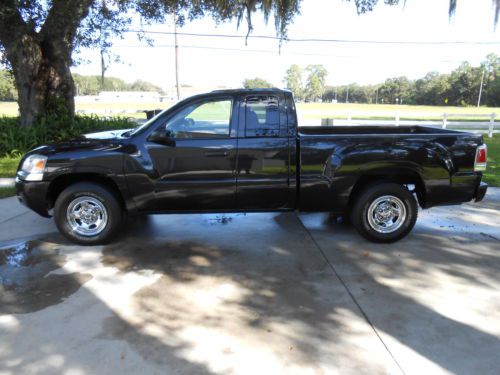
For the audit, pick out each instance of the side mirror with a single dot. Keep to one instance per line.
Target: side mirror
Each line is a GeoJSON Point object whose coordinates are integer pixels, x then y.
{"type": "Point", "coordinates": [162, 136]}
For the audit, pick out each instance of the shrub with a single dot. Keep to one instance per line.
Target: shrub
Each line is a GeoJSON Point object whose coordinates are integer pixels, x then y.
{"type": "Point", "coordinates": [15, 140]}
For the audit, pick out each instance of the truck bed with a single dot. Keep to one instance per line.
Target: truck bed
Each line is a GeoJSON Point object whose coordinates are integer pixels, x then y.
{"type": "Point", "coordinates": [337, 159]}
{"type": "Point", "coordinates": [373, 130]}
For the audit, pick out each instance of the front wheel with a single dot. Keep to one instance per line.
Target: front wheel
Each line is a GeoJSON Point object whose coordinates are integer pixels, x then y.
{"type": "Point", "coordinates": [87, 213]}
{"type": "Point", "coordinates": [384, 212]}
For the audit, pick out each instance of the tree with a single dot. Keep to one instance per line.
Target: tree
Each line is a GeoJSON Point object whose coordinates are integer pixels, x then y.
{"type": "Point", "coordinates": [330, 94]}
{"type": "Point", "coordinates": [396, 91]}
{"type": "Point", "coordinates": [433, 89]}
{"type": "Point", "coordinates": [38, 38]}
{"type": "Point", "coordinates": [464, 85]}
{"type": "Point", "coordinates": [256, 83]}
{"type": "Point", "coordinates": [141, 85]}
{"type": "Point", "coordinates": [315, 82]}
{"type": "Point", "coordinates": [293, 81]}
{"type": "Point", "coordinates": [491, 87]}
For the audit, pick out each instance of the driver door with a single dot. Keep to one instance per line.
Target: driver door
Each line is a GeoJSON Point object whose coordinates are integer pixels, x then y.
{"type": "Point", "coordinates": [197, 171]}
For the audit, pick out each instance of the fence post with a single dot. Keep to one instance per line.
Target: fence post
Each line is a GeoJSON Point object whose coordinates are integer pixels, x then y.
{"type": "Point", "coordinates": [327, 122]}
{"type": "Point", "coordinates": [492, 124]}
{"type": "Point", "coordinates": [445, 120]}
{"type": "Point", "coordinates": [396, 119]}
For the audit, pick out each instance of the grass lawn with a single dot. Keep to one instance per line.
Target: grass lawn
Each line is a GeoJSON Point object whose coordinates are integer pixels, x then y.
{"type": "Point", "coordinates": [492, 173]}
{"type": "Point", "coordinates": [7, 192]}
{"type": "Point", "coordinates": [8, 166]}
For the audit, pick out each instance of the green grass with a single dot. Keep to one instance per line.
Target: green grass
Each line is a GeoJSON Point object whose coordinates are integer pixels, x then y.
{"type": "Point", "coordinates": [7, 192]}
{"type": "Point", "coordinates": [8, 166]}
{"type": "Point", "coordinates": [492, 173]}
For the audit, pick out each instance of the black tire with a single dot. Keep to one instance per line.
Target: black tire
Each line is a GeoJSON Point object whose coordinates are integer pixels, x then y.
{"type": "Point", "coordinates": [367, 227]}
{"type": "Point", "coordinates": [98, 193]}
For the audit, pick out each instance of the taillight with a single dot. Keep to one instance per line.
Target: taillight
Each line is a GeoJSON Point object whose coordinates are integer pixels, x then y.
{"type": "Point", "coordinates": [481, 157]}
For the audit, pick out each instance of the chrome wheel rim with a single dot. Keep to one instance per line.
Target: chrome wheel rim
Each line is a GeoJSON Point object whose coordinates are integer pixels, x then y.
{"type": "Point", "coordinates": [386, 214]}
{"type": "Point", "coordinates": [87, 216]}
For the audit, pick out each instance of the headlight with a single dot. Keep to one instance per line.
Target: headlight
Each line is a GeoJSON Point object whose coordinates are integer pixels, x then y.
{"type": "Point", "coordinates": [33, 166]}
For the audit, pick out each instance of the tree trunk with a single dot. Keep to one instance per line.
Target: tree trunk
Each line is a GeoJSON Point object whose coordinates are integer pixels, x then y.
{"type": "Point", "coordinates": [41, 59]}
{"type": "Point", "coordinates": [43, 80]}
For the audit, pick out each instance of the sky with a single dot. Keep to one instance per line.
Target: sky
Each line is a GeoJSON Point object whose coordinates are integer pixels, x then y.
{"type": "Point", "coordinates": [212, 62]}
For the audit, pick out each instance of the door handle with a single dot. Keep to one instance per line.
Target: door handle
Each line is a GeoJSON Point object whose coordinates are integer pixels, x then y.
{"type": "Point", "coordinates": [216, 153]}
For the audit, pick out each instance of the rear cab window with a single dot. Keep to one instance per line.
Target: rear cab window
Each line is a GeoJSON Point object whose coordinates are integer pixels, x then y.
{"type": "Point", "coordinates": [262, 116]}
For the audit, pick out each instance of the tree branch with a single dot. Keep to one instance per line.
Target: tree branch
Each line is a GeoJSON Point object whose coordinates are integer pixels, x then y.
{"type": "Point", "coordinates": [63, 20]}
{"type": "Point", "coordinates": [12, 25]}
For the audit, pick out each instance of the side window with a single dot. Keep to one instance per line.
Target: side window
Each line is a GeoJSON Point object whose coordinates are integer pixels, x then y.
{"type": "Point", "coordinates": [262, 116]}
{"type": "Point", "coordinates": [210, 119]}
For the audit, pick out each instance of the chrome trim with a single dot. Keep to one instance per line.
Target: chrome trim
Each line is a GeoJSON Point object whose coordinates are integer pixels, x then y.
{"type": "Point", "coordinates": [87, 216]}
{"type": "Point", "coordinates": [386, 214]}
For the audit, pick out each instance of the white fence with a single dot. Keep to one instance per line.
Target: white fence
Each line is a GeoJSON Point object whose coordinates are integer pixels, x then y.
{"type": "Point", "coordinates": [485, 123]}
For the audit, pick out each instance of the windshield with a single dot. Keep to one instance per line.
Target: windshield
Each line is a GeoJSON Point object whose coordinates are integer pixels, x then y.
{"type": "Point", "coordinates": [145, 125]}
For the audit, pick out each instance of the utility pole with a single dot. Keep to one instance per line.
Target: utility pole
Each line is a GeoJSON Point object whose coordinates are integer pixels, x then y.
{"type": "Point", "coordinates": [176, 59]}
{"type": "Point", "coordinates": [376, 96]}
{"type": "Point", "coordinates": [480, 90]}
{"type": "Point", "coordinates": [347, 95]}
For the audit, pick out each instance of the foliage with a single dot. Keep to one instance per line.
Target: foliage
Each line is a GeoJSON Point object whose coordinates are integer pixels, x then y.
{"type": "Point", "coordinates": [293, 81]}
{"type": "Point", "coordinates": [8, 165]}
{"type": "Point", "coordinates": [491, 67]}
{"type": "Point", "coordinates": [433, 89]}
{"type": "Point", "coordinates": [396, 90]}
{"type": "Point", "coordinates": [91, 85]}
{"type": "Point", "coordinates": [256, 83]}
{"type": "Point", "coordinates": [459, 88]}
{"type": "Point", "coordinates": [16, 140]}
{"type": "Point", "coordinates": [316, 80]}
{"type": "Point", "coordinates": [7, 88]}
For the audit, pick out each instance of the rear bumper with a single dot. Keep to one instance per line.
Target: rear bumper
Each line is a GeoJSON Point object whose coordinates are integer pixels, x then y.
{"type": "Point", "coordinates": [480, 191]}
{"type": "Point", "coordinates": [33, 194]}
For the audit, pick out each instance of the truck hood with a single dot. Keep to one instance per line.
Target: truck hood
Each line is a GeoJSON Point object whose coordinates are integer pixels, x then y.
{"type": "Point", "coordinates": [82, 144]}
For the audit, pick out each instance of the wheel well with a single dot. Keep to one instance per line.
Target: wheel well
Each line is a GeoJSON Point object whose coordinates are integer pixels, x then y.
{"type": "Point", "coordinates": [404, 179]}
{"type": "Point", "coordinates": [62, 182]}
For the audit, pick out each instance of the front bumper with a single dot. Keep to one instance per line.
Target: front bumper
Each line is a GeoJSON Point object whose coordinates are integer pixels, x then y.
{"type": "Point", "coordinates": [480, 191]}
{"type": "Point", "coordinates": [33, 194]}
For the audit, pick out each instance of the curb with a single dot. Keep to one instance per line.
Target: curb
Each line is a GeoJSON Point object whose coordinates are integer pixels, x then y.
{"type": "Point", "coordinates": [7, 182]}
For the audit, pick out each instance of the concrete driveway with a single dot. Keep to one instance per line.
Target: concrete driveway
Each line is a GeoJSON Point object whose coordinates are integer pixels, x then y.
{"type": "Point", "coordinates": [252, 294]}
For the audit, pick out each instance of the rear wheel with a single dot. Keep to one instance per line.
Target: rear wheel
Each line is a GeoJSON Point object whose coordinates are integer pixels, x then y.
{"type": "Point", "coordinates": [87, 213]}
{"type": "Point", "coordinates": [384, 212]}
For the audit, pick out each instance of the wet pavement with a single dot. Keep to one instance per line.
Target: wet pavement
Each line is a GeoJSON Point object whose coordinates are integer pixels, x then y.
{"type": "Point", "coordinates": [254, 293]}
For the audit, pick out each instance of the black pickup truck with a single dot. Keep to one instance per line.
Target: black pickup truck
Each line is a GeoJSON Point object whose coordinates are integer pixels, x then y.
{"type": "Point", "coordinates": [243, 151]}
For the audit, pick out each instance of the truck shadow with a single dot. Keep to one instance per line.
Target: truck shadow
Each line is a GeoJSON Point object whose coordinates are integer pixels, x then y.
{"type": "Point", "coordinates": [254, 292]}
{"type": "Point", "coordinates": [432, 293]}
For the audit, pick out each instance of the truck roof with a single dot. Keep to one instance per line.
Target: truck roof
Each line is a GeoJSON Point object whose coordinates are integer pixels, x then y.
{"type": "Point", "coordinates": [259, 90]}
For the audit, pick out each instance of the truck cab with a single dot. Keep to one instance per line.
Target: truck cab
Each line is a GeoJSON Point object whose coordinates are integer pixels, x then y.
{"type": "Point", "coordinates": [227, 150]}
